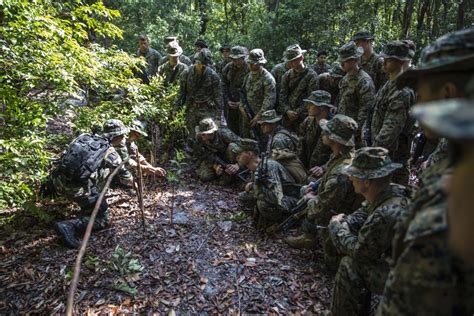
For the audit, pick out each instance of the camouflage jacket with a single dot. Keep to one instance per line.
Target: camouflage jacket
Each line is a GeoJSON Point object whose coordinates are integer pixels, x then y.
{"type": "Point", "coordinates": [218, 146]}
{"type": "Point", "coordinates": [232, 81]}
{"type": "Point", "coordinates": [153, 59]}
{"type": "Point", "coordinates": [356, 96]}
{"type": "Point", "coordinates": [440, 152]}
{"type": "Point", "coordinates": [277, 186]}
{"type": "Point", "coordinates": [277, 72]}
{"type": "Point", "coordinates": [335, 192]}
{"type": "Point", "coordinates": [295, 86]}
{"type": "Point", "coordinates": [182, 58]}
{"type": "Point", "coordinates": [73, 189]}
{"type": "Point", "coordinates": [367, 237]}
{"type": "Point", "coordinates": [201, 88]}
{"type": "Point", "coordinates": [312, 150]}
{"type": "Point", "coordinates": [373, 66]}
{"type": "Point", "coordinates": [319, 69]}
{"type": "Point", "coordinates": [260, 90]}
{"type": "Point", "coordinates": [220, 66]}
{"type": "Point", "coordinates": [390, 115]}
{"type": "Point", "coordinates": [172, 73]}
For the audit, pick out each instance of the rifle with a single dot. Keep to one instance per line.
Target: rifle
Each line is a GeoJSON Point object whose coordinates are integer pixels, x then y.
{"type": "Point", "coordinates": [297, 212]}
{"type": "Point", "coordinates": [251, 115]}
{"type": "Point", "coordinates": [240, 174]}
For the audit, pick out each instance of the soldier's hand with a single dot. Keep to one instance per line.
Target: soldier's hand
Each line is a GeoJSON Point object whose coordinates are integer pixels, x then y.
{"type": "Point", "coordinates": [232, 169]}
{"type": "Point", "coordinates": [338, 217]}
{"type": "Point", "coordinates": [248, 187]}
{"type": "Point", "coordinates": [160, 172]}
{"type": "Point", "coordinates": [292, 115]}
{"type": "Point", "coordinates": [253, 122]}
{"type": "Point", "coordinates": [233, 105]}
{"type": "Point", "coordinates": [218, 169]}
{"type": "Point", "coordinates": [317, 171]}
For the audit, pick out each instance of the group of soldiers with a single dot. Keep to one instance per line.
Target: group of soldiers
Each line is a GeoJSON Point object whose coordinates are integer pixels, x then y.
{"type": "Point", "coordinates": [331, 148]}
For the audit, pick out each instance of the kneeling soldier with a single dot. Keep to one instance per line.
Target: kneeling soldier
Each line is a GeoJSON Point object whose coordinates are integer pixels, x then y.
{"type": "Point", "coordinates": [364, 237]}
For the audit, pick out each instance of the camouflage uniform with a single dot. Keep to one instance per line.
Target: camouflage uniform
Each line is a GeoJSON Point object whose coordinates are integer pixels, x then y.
{"type": "Point", "coordinates": [425, 277]}
{"type": "Point", "coordinates": [330, 82]}
{"type": "Point", "coordinates": [222, 146]}
{"type": "Point", "coordinates": [319, 69]}
{"type": "Point", "coordinates": [295, 86]}
{"type": "Point", "coordinates": [364, 237]}
{"type": "Point", "coordinates": [312, 151]}
{"type": "Point", "coordinates": [335, 192]}
{"type": "Point", "coordinates": [277, 72]}
{"type": "Point", "coordinates": [232, 81]}
{"type": "Point", "coordinates": [373, 65]}
{"type": "Point", "coordinates": [391, 127]}
{"type": "Point", "coordinates": [220, 65]}
{"type": "Point", "coordinates": [356, 92]}
{"type": "Point", "coordinates": [202, 92]}
{"type": "Point", "coordinates": [259, 88]}
{"type": "Point", "coordinates": [153, 59]}
{"type": "Point", "coordinates": [172, 73]}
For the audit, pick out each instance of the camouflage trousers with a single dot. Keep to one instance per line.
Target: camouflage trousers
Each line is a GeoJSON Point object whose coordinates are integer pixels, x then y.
{"type": "Point", "coordinates": [198, 111]}
{"type": "Point", "coordinates": [233, 120]}
{"type": "Point", "coordinates": [353, 285]}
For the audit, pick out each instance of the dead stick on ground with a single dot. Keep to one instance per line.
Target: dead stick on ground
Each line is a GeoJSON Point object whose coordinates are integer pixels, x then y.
{"type": "Point", "coordinates": [140, 187]}
{"type": "Point", "coordinates": [206, 238]}
{"type": "Point", "coordinates": [238, 287]}
{"type": "Point", "coordinates": [85, 240]}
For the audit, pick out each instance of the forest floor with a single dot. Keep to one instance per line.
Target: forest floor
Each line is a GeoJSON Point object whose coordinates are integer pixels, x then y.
{"type": "Point", "coordinates": [210, 260]}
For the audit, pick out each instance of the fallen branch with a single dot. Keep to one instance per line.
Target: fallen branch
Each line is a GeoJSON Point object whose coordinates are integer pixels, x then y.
{"type": "Point", "coordinates": [204, 240]}
{"type": "Point", "coordinates": [140, 188]}
{"type": "Point", "coordinates": [85, 240]}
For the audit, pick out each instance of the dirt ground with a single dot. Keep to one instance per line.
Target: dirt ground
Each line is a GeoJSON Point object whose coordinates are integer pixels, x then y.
{"type": "Point", "coordinates": [210, 260]}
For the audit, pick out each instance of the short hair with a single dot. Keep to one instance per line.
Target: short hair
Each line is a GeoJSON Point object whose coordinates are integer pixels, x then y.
{"type": "Point", "coordinates": [322, 52]}
{"type": "Point", "coordinates": [437, 80]}
{"type": "Point", "coordinates": [143, 38]}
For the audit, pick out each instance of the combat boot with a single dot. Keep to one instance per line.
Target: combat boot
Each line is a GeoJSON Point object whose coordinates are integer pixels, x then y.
{"type": "Point", "coordinates": [305, 241]}
{"type": "Point", "coordinates": [67, 230]}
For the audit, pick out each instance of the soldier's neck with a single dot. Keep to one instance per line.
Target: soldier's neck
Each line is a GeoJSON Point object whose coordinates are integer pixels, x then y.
{"type": "Point", "coordinates": [367, 53]}
{"type": "Point", "coordinates": [394, 75]}
{"type": "Point", "coordinates": [353, 71]}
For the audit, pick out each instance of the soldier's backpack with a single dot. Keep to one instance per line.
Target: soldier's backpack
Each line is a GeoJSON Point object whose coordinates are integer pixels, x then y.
{"type": "Point", "coordinates": [83, 157]}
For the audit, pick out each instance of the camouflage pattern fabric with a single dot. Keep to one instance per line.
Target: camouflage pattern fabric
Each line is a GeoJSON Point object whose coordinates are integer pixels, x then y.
{"type": "Point", "coordinates": [232, 81]}
{"type": "Point", "coordinates": [364, 238]}
{"type": "Point", "coordinates": [296, 86]}
{"type": "Point", "coordinates": [310, 132]}
{"type": "Point", "coordinates": [282, 139]}
{"type": "Point", "coordinates": [125, 176]}
{"type": "Point", "coordinates": [172, 72]}
{"type": "Point", "coordinates": [373, 66]}
{"type": "Point", "coordinates": [440, 152]}
{"type": "Point", "coordinates": [220, 66]}
{"type": "Point", "coordinates": [277, 72]}
{"type": "Point", "coordinates": [356, 96]}
{"type": "Point", "coordinates": [153, 59]}
{"type": "Point", "coordinates": [319, 69]}
{"type": "Point", "coordinates": [203, 96]}
{"type": "Point", "coordinates": [260, 88]}
{"type": "Point", "coordinates": [276, 196]}
{"type": "Point", "coordinates": [182, 59]}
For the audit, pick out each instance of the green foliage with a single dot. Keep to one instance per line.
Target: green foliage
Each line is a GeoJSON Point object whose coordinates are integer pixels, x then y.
{"type": "Point", "coordinates": [123, 262]}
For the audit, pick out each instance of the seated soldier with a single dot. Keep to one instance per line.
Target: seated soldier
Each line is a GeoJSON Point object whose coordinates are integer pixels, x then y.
{"type": "Point", "coordinates": [215, 152]}
{"type": "Point", "coordinates": [282, 145]}
{"type": "Point", "coordinates": [82, 180]}
{"type": "Point", "coordinates": [365, 236]}
{"type": "Point", "coordinates": [335, 193]}
{"type": "Point", "coordinates": [273, 193]}
{"type": "Point", "coordinates": [314, 153]}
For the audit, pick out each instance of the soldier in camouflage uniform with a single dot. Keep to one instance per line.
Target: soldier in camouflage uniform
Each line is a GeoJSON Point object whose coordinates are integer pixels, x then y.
{"type": "Point", "coordinates": [370, 61]}
{"type": "Point", "coordinates": [390, 125]}
{"type": "Point", "coordinates": [233, 76]}
{"type": "Point", "coordinates": [225, 51]}
{"type": "Point", "coordinates": [425, 277]}
{"type": "Point", "coordinates": [277, 72]}
{"type": "Point", "coordinates": [182, 58]}
{"type": "Point", "coordinates": [282, 145]}
{"type": "Point", "coordinates": [259, 88]}
{"type": "Point", "coordinates": [172, 69]}
{"type": "Point", "coordinates": [273, 193]}
{"type": "Point", "coordinates": [215, 145]}
{"type": "Point", "coordinates": [411, 53]}
{"type": "Point", "coordinates": [364, 237]}
{"type": "Point", "coordinates": [201, 91]}
{"type": "Point", "coordinates": [313, 152]}
{"type": "Point", "coordinates": [296, 84]}
{"type": "Point", "coordinates": [335, 193]}
{"type": "Point", "coordinates": [151, 56]}
{"type": "Point", "coordinates": [86, 194]}
{"type": "Point", "coordinates": [356, 89]}
{"type": "Point", "coordinates": [321, 66]}
{"type": "Point", "coordinates": [330, 82]}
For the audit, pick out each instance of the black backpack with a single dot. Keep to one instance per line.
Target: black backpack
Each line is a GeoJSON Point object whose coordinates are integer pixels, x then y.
{"type": "Point", "coordinates": [83, 157]}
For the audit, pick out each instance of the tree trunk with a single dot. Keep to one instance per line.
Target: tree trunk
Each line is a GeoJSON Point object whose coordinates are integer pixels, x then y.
{"type": "Point", "coordinates": [461, 10]}
{"type": "Point", "coordinates": [407, 15]}
{"type": "Point", "coordinates": [436, 20]}
{"type": "Point", "coordinates": [421, 14]}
